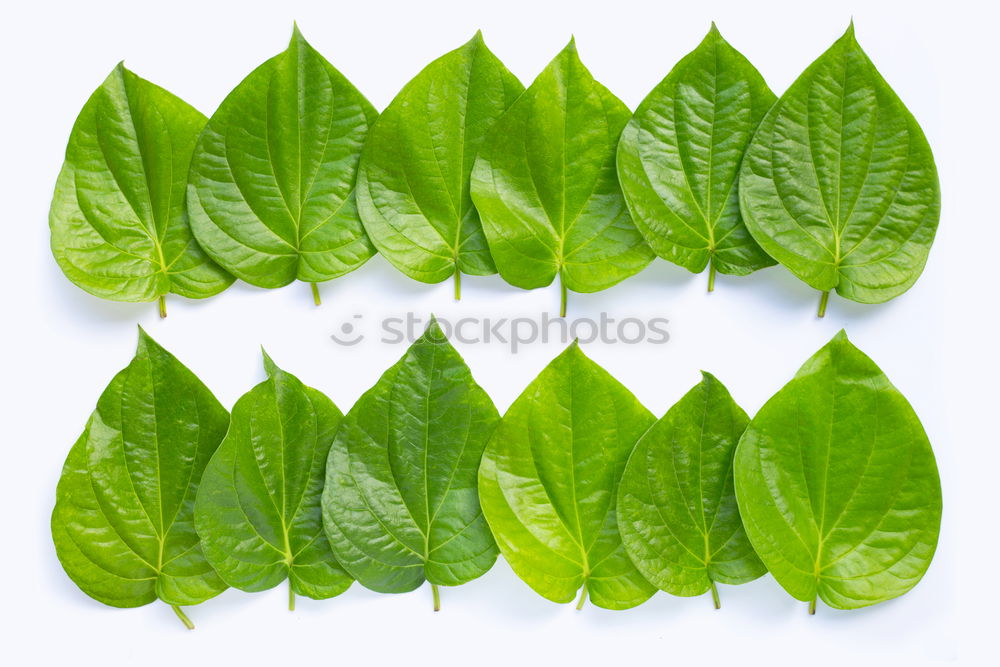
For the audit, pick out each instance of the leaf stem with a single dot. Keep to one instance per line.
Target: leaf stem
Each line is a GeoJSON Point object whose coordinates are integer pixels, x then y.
{"type": "Point", "coordinates": [437, 597]}
{"type": "Point", "coordinates": [562, 296]}
{"type": "Point", "coordinates": [711, 277]}
{"type": "Point", "coordinates": [822, 303]}
{"type": "Point", "coordinates": [181, 615]}
{"type": "Point", "coordinates": [163, 306]}
{"type": "Point", "coordinates": [582, 599]}
{"type": "Point", "coordinates": [715, 596]}
{"type": "Point", "coordinates": [291, 597]}
{"type": "Point", "coordinates": [812, 607]}
{"type": "Point", "coordinates": [315, 291]}
{"type": "Point", "coordinates": [458, 284]}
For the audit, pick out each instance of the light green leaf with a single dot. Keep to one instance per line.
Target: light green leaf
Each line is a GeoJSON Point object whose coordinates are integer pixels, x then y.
{"type": "Point", "coordinates": [123, 524]}
{"type": "Point", "coordinates": [545, 185]}
{"type": "Point", "coordinates": [679, 159]}
{"type": "Point", "coordinates": [258, 507]}
{"type": "Point", "coordinates": [413, 183]}
{"type": "Point", "coordinates": [271, 189]}
{"type": "Point", "coordinates": [676, 504]}
{"type": "Point", "coordinates": [118, 221]}
{"type": "Point", "coordinates": [549, 481]}
{"type": "Point", "coordinates": [839, 184]}
{"type": "Point", "coordinates": [837, 484]}
{"type": "Point", "coordinates": [400, 504]}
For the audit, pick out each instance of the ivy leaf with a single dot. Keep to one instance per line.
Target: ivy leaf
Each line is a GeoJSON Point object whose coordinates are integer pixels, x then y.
{"type": "Point", "coordinates": [271, 189]}
{"type": "Point", "coordinates": [676, 504]}
{"type": "Point", "coordinates": [400, 504]}
{"type": "Point", "coordinates": [258, 507]}
{"type": "Point", "coordinates": [679, 159]}
{"type": "Point", "coordinates": [413, 183]}
{"type": "Point", "coordinates": [837, 484]}
{"type": "Point", "coordinates": [839, 184]}
{"type": "Point", "coordinates": [549, 482]}
{"type": "Point", "coordinates": [118, 222]}
{"type": "Point", "coordinates": [545, 185]}
{"type": "Point", "coordinates": [123, 523]}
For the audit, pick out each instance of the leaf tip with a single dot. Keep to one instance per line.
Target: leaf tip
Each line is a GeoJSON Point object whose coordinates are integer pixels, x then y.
{"type": "Point", "coordinates": [708, 378]}
{"type": "Point", "coordinates": [146, 341]}
{"type": "Point", "coordinates": [433, 332]}
{"type": "Point", "coordinates": [849, 33]}
{"type": "Point", "coordinates": [573, 350]}
{"type": "Point", "coordinates": [713, 30]}
{"type": "Point", "coordinates": [297, 36]}
{"type": "Point", "coordinates": [269, 366]}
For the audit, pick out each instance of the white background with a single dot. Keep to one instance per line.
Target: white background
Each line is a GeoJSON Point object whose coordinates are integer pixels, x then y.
{"type": "Point", "coordinates": [61, 346]}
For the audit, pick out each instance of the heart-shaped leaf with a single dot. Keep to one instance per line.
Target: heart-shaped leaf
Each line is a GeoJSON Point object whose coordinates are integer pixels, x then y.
{"type": "Point", "coordinates": [123, 524]}
{"type": "Point", "coordinates": [676, 505]}
{"type": "Point", "coordinates": [413, 183]}
{"type": "Point", "coordinates": [400, 504]}
{"type": "Point", "coordinates": [679, 160]}
{"type": "Point", "coordinates": [258, 507]}
{"type": "Point", "coordinates": [549, 483]}
{"type": "Point", "coordinates": [837, 484]}
{"type": "Point", "coordinates": [546, 188]}
{"type": "Point", "coordinates": [839, 184]}
{"type": "Point", "coordinates": [271, 189]}
{"type": "Point", "coordinates": [118, 220]}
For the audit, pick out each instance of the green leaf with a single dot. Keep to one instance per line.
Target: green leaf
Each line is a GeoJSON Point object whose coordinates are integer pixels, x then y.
{"type": "Point", "coordinates": [839, 184]}
{"type": "Point", "coordinates": [679, 159]}
{"type": "Point", "coordinates": [676, 504]}
{"type": "Point", "coordinates": [549, 482]}
{"type": "Point", "coordinates": [271, 189]}
{"type": "Point", "coordinates": [837, 484]}
{"type": "Point", "coordinates": [413, 183]}
{"type": "Point", "coordinates": [545, 185]}
{"type": "Point", "coordinates": [400, 503]}
{"type": "Point", "coordinates": [258, 507]}
{"type": "Point", "coordinates": [123, 523]}
{"type": "Point", "coordinates": [118, 221]}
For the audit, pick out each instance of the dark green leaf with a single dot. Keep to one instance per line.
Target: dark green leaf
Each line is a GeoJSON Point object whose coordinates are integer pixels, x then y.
{"type": "Point", "coordinates": [839, 184]}
{"type": "Point", "coordinates": [123, 524]}
{"type": "Point", "coordinates": [837, 484]}
{"type": "Point", "coordinates": [549, 482]}
{"type": "Point", "coordinates": [676, 504]}
{"type": "Point", "coordinates": [400, 503]}
{"type": "Point", "coordinates": [271, 189]}
{"type": "Point", "coordinates": [118, 221]}
{"type": "Point", "coordinates": [258, 508]}
{"type": "Point", "coordinates": [545, 185]}
{"type": "Point", "coordinates": [413, 183]}
{"type": "Point", "coordinates": [679, 159]}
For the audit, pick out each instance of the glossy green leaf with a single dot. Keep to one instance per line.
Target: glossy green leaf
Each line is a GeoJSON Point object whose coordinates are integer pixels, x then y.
{"type": "Point", "coordinates": [400, 504]}
{"type": "Point", "coordinates": [118, 221]}
{"type": "Point", "coordinates": [676, 505]}
{"type": "Point", "coordinates": [549, 482]}
{"type": "Point", "coordinates": [271, 189]}
{"type": "Point", "coordinates": [679, 160]}
{"type": "Point", "coordinates": [837, 483]}
{"type": "Point", "coordinates": [413, 183]}
{"type": "Point", "coordinates": [546, 188]}
{"type": "Point", "coordinates": [123, 524]}
{"type": "Point", "coordinates": [839, 184]}
{"type": "Point", "coordinates": [258, 507]}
